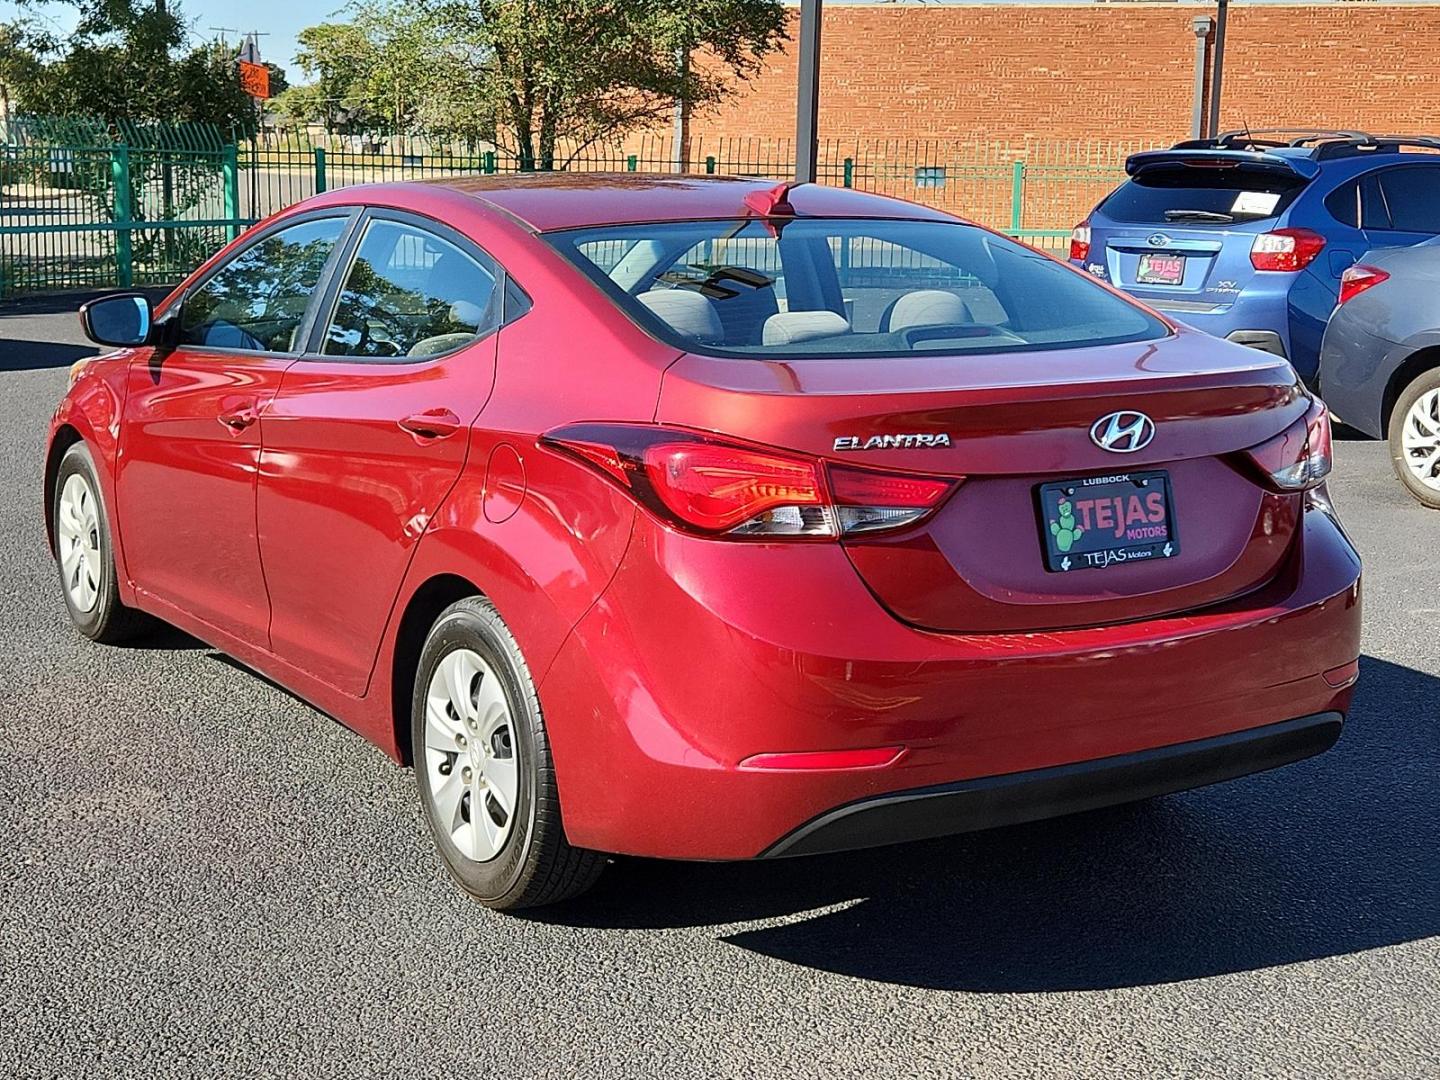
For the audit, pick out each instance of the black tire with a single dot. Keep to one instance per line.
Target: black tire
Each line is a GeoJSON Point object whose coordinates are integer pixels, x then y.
{"type": "Point", "coordinates": [535, 864]}
{"type": "Point", "coordinates": [1423, 384]}
{"type": "Point", "coordinates": [106, 620]}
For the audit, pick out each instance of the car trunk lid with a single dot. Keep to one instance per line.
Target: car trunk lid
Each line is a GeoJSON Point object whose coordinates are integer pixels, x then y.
{"type": "Point", "coordinates": [1011, 423]}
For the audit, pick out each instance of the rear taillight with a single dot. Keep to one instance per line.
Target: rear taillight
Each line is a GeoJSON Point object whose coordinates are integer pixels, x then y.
{"type": "Point", "coordinates": [1359, 278]}
{"type": "Point", "coordinates": [1080, 242]}
{"type": "Point", "coordinates": [717, 487]}
{"type": "Point", "coordinates": [1286, 249]}
{"type": "Point", "coordinates": [1299, 457]}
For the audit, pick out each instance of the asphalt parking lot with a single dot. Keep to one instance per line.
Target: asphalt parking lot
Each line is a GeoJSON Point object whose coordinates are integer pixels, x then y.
{"type": "Point", "coordinates": [202, 875]}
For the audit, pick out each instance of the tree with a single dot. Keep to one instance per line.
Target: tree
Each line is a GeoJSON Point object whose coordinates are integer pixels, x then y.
{"type": "Point", "coordinates": [535, 75]}
{"type": "Point", "coordinates": [128, 63]}
{"type": "Point", "coordinates": [279, 83]}
{"type": "Point", "coordinates": [337, 58]}
{"type": "Point", "coordinates": [20, 50]}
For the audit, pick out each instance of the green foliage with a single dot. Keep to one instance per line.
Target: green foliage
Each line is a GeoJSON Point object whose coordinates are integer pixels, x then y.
{"type": "Point", "coordinates": [279, 81]}
{"type": "Point", "coordinates": [125, 63]}
{"type": "Point", "coordinates": [534, 76]}
{"type": "Point", "coordinates": [337, 58]}
{"type": "Point", "coordinates": [20, 48]}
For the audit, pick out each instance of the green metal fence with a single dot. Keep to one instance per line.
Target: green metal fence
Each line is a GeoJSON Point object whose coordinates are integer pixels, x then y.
{"type": "Point", "coordinates": [85, 206]}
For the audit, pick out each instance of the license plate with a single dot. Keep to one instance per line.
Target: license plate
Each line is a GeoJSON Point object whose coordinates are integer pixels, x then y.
{"type": "Point", "coordinates": [1161, 270]}
{"type": "Point", "coordinates": [1102, 521]}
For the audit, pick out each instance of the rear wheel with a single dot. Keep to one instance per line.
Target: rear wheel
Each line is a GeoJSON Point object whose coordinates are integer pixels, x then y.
{"type": "Point", "coordinates": [1415, 438]}
{"type": "Point", "coordinates": [483, 767]}
{"type": "Point", "coordinates": [85, 556]}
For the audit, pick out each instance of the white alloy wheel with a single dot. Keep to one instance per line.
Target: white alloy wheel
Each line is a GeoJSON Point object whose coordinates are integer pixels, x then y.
{"type": "Point", "coordinates": [1420, 439]}
{"type": "Point", "coordinates": [78, 532]}
{"type": "Point", "coordinates": [471, 754]}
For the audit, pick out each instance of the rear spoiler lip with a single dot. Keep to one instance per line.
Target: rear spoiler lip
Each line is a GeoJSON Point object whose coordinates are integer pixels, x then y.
{"type": "Point", "coordinates": [1304, 168]}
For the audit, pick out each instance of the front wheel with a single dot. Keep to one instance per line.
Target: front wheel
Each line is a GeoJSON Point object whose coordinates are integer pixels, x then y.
{"type": "Point", "coordinates": [1415, 438]}
{"type": "Point", "coordinates": [483, 767]}
{"type": "Point", "coordinates": [85, 554]}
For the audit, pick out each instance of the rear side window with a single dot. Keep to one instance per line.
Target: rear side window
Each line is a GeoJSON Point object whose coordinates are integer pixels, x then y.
{"type": "Point", "coordinates": [847, 287]}
{"type": "Point", "coordinates": [1405, 199]}
{"type": "Point", "coordinates": [412, 294]}
{"type": "Point", "coordinates": [1178, 194]}
{"type": "Point", "coordinates": [1412, 198]}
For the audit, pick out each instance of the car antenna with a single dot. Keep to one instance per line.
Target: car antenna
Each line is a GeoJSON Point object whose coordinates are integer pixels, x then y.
{"type": "Point", "coordinates": [773, 206]}
{"type": "Point", "coordinates": [773, 202]}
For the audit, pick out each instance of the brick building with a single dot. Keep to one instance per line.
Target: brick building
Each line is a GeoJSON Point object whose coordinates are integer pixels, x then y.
{"type": "Point", "coordinates": [1013, 73]}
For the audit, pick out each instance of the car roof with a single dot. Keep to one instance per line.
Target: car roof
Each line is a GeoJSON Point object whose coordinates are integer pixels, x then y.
{"type": "Point", "coordinates": [546, 201]}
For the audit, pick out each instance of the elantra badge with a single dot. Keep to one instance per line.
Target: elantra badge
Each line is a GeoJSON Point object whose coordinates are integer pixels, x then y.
{"type": "Point", "coordinates": [1123, 432]}
{"type": "Point", "coordinates": [914, 441]}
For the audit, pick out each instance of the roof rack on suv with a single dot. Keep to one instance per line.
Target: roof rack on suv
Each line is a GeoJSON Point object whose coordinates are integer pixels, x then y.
{"type": "Point", "coordinates": [1269, 138]}
{"type": "Point", "coordinates": [1324, 143]}
{"type": "Point", "coordinates": [1376, 144]}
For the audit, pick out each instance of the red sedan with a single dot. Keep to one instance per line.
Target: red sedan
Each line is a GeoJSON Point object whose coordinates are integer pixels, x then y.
{"type": "Point", "coordinates": [706, 519]}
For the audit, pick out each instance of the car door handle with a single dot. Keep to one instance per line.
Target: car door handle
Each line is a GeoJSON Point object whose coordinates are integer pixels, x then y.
{"type": "Point", "coordinates": [239, 419]}
{"type": "Point", "coordinates": [432, 424]}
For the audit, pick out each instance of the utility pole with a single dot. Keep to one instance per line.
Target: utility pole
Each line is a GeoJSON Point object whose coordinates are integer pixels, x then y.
{"type": "Point", "coordinates": [1202, 26]}
{"type": "Point", "coordinates": [1222, 16]}
{"type": "Point", "coordinates": [807, 105]}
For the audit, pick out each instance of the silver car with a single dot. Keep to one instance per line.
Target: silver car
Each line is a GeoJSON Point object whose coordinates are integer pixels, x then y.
{"type": "Point", "coordinates": [1380, 360]}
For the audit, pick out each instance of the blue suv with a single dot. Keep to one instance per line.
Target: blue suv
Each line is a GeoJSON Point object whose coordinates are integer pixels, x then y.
{"type": "Point", "coordinates": [1246, 235]}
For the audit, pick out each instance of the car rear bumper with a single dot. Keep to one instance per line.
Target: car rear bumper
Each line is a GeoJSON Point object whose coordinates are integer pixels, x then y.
{"type": "Point", "coordinates": [703, 654]}
{"type": "Point", "coordinates": [993, 801]}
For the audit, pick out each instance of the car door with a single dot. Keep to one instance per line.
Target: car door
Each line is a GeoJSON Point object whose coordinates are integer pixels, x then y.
{"type": "Point", "coordinates": [367, 435]}
{"type": "Point", "coordinates": [190, 449]}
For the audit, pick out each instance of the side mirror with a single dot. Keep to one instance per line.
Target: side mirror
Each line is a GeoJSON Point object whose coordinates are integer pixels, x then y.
{"type": "Point", "coordinates": [124, 320]}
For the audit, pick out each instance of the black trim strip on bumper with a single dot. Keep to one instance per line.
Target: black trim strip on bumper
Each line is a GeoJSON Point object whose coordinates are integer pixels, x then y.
{"type": "Point", "coordinates": [1012, 798]}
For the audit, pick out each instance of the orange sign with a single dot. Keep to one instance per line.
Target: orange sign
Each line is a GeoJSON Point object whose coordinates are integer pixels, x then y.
{"type": "Point", "coordinates": [255, 79]}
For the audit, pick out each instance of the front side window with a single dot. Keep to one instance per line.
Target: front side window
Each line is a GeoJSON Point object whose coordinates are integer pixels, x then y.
{"type": "Point", "coordinates": [411, 294]}
{"type": "Point", "coordinates": [840, 287]}
{"type": "Point", "coordinates": [257, 300]}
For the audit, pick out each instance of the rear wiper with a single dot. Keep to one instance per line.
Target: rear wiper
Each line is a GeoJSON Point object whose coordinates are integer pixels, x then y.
{"type": "Point", "coordinates": [1199, 215]}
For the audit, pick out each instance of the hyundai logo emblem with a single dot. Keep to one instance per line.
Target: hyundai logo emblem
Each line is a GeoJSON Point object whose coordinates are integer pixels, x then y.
{"type": "Point", "coordinates": [1159, 239]}
{"type": "Point", "coordinates": [1122, 432]}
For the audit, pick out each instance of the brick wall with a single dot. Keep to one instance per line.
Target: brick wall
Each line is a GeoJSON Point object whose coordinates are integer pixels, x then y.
{"type": "Point", "coordinates": [1012, 74]}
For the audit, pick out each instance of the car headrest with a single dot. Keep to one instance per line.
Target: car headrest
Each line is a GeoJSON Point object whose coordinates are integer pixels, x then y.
{"type": "Point", "coordinates": [686, 312]}
{"type": "Point", "coordinates": [467, 313]}
{"type": "Point", "coordinates": [929, 307]}
{"type": "Point", "coordinates": [433, 346]}
{"type": "Point", "coordinates": [792, 327]}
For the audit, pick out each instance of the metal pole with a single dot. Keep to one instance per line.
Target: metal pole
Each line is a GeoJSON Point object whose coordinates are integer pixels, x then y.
{"type": "Point", "coordinates": [1202, 26]}
{"type": "Point", "coordinates": [681, 133]}
{"type": "Point", "coordinates": [1222, 15]}
{"type": "Point", "coordinates": [807, 105]}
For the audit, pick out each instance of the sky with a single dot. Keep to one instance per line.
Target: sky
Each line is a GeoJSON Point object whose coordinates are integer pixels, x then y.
{"type": "Point", "coordinates": [281, 20]}
{"type": "Point", "coordinates": [278, 20]}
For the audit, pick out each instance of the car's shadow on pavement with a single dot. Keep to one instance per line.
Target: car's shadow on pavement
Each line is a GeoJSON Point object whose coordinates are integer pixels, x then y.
{"type": "Point", "coordinates": [1327, 857]}
{"type": "Point", "coordinates": [17, 355]}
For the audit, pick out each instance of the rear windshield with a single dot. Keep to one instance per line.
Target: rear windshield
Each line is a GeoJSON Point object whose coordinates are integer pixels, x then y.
{"type": "Point", "coordinates": [1180, 194]}
{"type": "Point", "coordinates": [847, 287]}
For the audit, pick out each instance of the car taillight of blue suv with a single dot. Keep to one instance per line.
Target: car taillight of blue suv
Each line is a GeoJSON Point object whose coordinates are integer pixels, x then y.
{"type": "Point", "coordinates": [1246, 235]}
